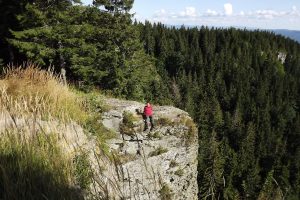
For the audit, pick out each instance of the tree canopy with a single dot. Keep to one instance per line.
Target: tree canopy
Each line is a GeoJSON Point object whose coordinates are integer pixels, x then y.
{"type": "Point", "coordinates": [242, 87]}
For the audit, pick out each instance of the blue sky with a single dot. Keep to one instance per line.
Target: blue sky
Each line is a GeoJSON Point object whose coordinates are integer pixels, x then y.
{"type": "Point", "coordinates": [264, 14]}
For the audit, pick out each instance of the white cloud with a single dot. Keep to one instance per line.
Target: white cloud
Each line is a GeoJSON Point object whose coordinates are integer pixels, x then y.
{"type": "Point", "coordinates": [252, 18]}
{"type": "Point", "coordinates": [295, 11]}
{"type": "Point", "coordinates": [210, 12]}
{"type": "Point", "coordinates": [228, 9]}
{"type": "Point", "coordinates": [272, 14]}
{"type": "Point", "coordinates": [161, 16]}
{"type": "Point", "coordinates": [266, 14]}
{"type": "Point", "coordinates": [189, 12]}
{"type": "Point", "coordinates": [160, 13]}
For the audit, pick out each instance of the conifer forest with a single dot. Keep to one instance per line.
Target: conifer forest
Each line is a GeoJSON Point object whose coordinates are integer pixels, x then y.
{"type": "Point", "coordinates": [241, 87]}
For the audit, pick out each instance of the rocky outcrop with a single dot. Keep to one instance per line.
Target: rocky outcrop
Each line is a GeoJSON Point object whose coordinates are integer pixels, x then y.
{"type": "Point", "coordinates": [281, 57]}
{"type": "Point", "coordinates": [161, 164]}
{"type": "Point", "coordinates": [157, 164]}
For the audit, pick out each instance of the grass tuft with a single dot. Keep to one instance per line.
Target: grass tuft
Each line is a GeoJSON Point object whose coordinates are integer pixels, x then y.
{"type": "Point", "coordinates": [34, 169]}
{"type": "Point", "coordinates": [83, 172]}
{"type": "Point", "coordinates": [31, 90]}
{"type": "Point", "coordinates": [158, 151]}
{"type": "Point", "coordinates": [173, 163]}
{"type": "Point", "coordinates": [127, 125]}
{"type": "Point", "coordinates": [164, 121]}
{"type": "Point", "coordinates": [165, 192]}
{"type": "Point", "coordinates": [179, 172]}
{"type": "Point", "coordinates": [191, 133]}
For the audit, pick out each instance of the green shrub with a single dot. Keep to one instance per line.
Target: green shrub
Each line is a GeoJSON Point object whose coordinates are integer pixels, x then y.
{"type": "Point", "coordinates": [83, 171]}
{"type": "Point", "coordinates": [94, 103]}
{"type": "Point", "coordinates": [95, 106]}
{"type": "Point", "coordinates": [156, 135]}
{"type": "Point", "coordinates": [173, 163]}
{"type": "Point", "coordinates": [123, 158]}
{"type": "Point", "coordinates": [191, 133]}
{"type": "Point", "coordinates": [158, 151]}
{"type": "Point", "coordinates": [164, 121]}
{"type": "Point", "coordinates": [179, 172]}
{"type": "Point", "coordinates": [165, 192]}
{"type": "Point", "coordinates": [127, 124]}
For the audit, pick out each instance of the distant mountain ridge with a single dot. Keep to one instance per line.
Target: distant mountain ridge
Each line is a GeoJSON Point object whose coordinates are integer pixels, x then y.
{"type": "Point", "coordinates": [295, 35]}
{"type": "Point", "coordinates": [292, 34]}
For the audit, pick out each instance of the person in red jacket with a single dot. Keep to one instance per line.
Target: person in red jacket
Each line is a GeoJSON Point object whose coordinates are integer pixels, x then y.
{"type": "Point", "coordinates": [148, 115]}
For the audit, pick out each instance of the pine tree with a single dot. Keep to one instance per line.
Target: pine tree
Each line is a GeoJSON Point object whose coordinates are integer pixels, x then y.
{"type": "Point", "coordinates": [96, 46]}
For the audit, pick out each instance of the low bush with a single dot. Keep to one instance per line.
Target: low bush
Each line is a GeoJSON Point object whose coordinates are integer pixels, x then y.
{"type": "Point", "coordinates": [158, 151]}
{"type": "Point", "coordinates": [173, 163]}
{"type": "Point", "coordinates": [165, 192]}
{"type": "Point", "coordinates": [127, 124]}
{"type": "Point", "coordinates": [164, 121]}
{"type": "Point", "coordinates": [155, 135]}
{"type": "Point", "coordinates": [192, 131]}
{"type": "Point", "coordinates": [179, 172]}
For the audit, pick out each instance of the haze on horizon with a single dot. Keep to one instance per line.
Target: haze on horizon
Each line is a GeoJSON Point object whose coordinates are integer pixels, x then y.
{"type": "Point", "coordinates": [262, 14]}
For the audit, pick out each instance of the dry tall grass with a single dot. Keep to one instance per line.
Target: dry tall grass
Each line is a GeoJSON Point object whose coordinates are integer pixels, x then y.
{"type": "Point", "coordinates": [29, 90]}
{"type": "Point", "coordinates": [32, 165]}
{"type": "Point", "coordinates": [34, 169]}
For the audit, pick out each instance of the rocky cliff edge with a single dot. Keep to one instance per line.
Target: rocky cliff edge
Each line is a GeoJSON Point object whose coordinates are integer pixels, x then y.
{"type": "Point", "coordinates": [137, 164]}
{"type": "Point", "coordinates": [157, 164]}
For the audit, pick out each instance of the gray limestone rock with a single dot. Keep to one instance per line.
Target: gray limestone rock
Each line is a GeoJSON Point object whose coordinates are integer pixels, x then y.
{"type": "Point", "coordinates": [161, 157]}
{"type": "Point", "coordinates": [144, 164]}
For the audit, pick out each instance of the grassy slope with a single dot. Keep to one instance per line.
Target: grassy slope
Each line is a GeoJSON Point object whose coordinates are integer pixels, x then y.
{"type": "Point", "coordinates": [32, 166]}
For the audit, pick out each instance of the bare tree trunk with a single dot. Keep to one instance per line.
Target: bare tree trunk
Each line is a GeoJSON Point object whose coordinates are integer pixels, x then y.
{"type": "Point", "coordinates": [11, 54]}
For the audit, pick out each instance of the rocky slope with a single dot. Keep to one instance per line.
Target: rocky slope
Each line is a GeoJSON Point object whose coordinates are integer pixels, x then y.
{"type": "Point", "coordinates": [161, 164]}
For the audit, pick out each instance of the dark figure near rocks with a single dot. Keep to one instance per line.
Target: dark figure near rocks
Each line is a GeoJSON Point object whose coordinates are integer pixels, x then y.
{"type": "Point", "coordinates": [148, 115]}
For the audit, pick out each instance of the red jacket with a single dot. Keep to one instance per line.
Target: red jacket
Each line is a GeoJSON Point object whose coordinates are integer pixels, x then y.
{"type": "Point", "coordinates": [148, 110]}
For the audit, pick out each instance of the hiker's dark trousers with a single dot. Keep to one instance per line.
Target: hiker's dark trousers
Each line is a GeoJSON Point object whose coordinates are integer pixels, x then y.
{"type": "Point", "coordinates": [146, 120]}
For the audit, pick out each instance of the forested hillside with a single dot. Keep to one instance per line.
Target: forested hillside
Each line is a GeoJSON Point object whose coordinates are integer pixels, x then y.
{"type": "Point", "coordinates": [242, 87]}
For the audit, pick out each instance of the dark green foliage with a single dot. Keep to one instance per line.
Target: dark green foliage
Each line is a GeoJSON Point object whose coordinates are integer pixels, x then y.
{"type": "Point", "coordinates": [96, 47]}
{"type": "Point", "coordinates": [9, 10]}
{"type": "Point", "coordinates": [1, 65]}
{"type": "Point", "coordinates": [245, 101]}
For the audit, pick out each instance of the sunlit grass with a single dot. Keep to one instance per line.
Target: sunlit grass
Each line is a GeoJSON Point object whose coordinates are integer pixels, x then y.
{"type": "Point", "coordinates": [33, 164]}
{"type": "Point", "coordinates": [29, 90]}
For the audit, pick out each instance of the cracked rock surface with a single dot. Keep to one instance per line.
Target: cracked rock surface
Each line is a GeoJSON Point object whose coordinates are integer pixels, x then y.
{"type": "Point", "coordinates": [156, 159]}
{"type": "Point", "coordinates": [157, 164]}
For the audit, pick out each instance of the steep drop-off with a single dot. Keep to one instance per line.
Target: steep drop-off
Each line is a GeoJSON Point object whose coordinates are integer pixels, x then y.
{"type": "Point", "coordinates": [161, 164]}
{"type": "Point", "coordinates": [135, 164]}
